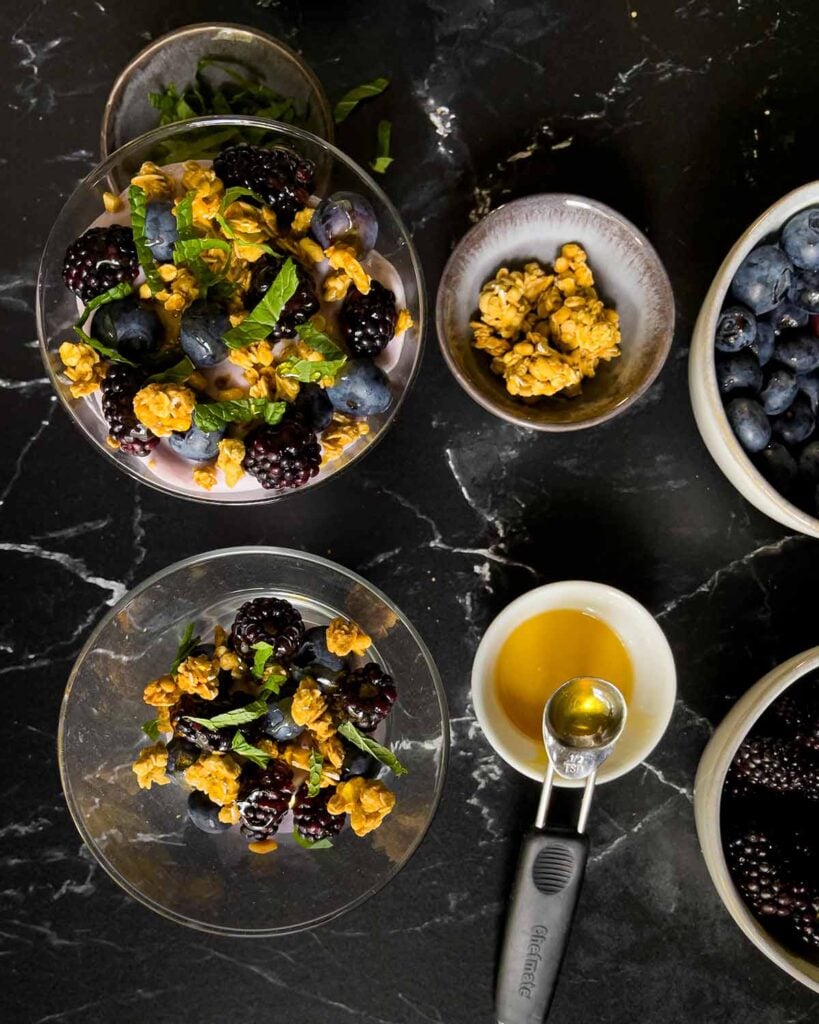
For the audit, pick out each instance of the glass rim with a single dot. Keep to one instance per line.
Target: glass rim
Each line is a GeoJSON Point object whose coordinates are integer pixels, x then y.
{"type": "Point", "coordinates": [157, 577]}
{"type": "Point", "coordinates": [103, 169]}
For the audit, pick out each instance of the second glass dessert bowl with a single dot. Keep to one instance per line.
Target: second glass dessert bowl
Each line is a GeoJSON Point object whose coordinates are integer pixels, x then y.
{"type": "Point", "coordinates": [292, 237]}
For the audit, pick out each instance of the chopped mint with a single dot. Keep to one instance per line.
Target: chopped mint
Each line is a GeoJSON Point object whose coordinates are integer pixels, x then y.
{"type": "Point", "coordinates": [314, 777]}
{"type": "Point", "coordinates": [312, 336]}
{"type": "Point", "coordinates": [382, 154]}
{"type": "Point", "coordinates": [210, 416]}
{"type": "Point", "coordinates": [263, 317]}
{"type": "Point", "coordinates": [237, 192]}
{"type": "Point", "coordinates": [119, 291]}
{"type": "Point", "coordinates": [189, 249]}
{"type": "Point", "coordinates": [264, 652]}
{"type": "Point", "coordinates": [307, 844]}
{"type": "Point", "coordinates": [240, 745]}
{"type": "Point", "coordinates": [184, 217]}
{"type": "Point", "coordinates": [104, 350]}
{"type": "Point", "coordinates": [272, 685]}
{"type": "Point", "coordinates": [187, 642]}
{"type": "Point", "coordinates": [349, 101]}
{"type": "Point", "coordinates": [176, 374]}
{"type": "Point", "coordinates": [139, 205]}
{"type": "Point", "coordinates": [151, 729]}
{"type": "Point", "coordinates": [310, 371]}
{"type": "Point", "coordinates": [382, 754]}
{"type": "Point", "coordinates": [238, 716]}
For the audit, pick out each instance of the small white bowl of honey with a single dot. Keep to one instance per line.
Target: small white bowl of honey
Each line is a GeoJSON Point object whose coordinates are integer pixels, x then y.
{"type": "Point", "coordinates": [557, 632]}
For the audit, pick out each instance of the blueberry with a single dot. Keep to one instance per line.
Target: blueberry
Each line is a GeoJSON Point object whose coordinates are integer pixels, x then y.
{"type": "Point", "coordinates": [200, 334]}
{"type": "Point", "coordinates": [314, 407]}
{"type": "Point", "coordinates": [361, 389]}
{"type": "Point", "coordinates": [129, 326]}
{"type": "Point", "coordinates": [763, 279]}
{"type": "Point", "coordinates": [161, 231]}
{"type": "Point", "coordinates": [313, 650]}
{"type": "Point", "coordinates": [278, 723]}
{"type": "Point", "coordinates": [749, 423]}
{"type": "Point", "coordinates": [195, 445]}
{"type": "Point", "coordinates": [736, 328]}
{"type": "Point", "coordinates": [798, 350]}
{"type": "Point", "coordinates": [809, 461]}
{"type": "Point", "coordinates": [204, 813]}
{"type": "Point", "coordinates": [763, 344]}
{"type": "Point", "coordinates": [778, 466]}
{"type": "Point", "coordinates": [779, 391]}
{"type": "Point", "coordinates": [797, 423]}
{"type": "Point", "coordinates": [787, 315]}
{"type": "Point", "coordinates": [804, 291]}
{"type": "Point", "coordinates": [808, 384]}
{"type": "Point", "coordinates": [800, 239]}
{"type": "Point", "coordinates": [358, 762]}
{"type": "Point", "coordinates": [345, 217]}
{"type": "Point", "coordinates": [739, 371]}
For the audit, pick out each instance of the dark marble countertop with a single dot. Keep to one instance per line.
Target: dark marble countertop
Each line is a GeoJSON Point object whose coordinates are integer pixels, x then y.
{"type": "Point", "coordinates": [689, 116]}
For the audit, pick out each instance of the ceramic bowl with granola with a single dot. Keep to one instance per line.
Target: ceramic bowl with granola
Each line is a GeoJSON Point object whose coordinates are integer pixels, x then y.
{"type": "Point", "coordinates": [253, 740]}
{"type": "Point", "coordinates": [235, 325]}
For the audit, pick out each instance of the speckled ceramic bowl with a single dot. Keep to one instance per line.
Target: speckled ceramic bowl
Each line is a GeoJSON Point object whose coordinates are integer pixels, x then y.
{"type": "Point", "coordinates": [173, 58]}
{"type": "Point", "coordinates": [628, 274]}
{"type": "Point", "coordinates": [711, 773]}
{"type": "Point", "coordinates": [706, 400]}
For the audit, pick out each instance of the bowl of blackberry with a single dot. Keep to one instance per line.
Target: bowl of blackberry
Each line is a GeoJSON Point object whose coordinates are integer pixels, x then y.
{"type": "Point", "coordinates": [235, 325]}
{"type": "Point", "coordinates": [757, 811]}
{"type": "Point", "coordinates": [253, 741]}
{"type": "Point", "coordinates": [754, 366]}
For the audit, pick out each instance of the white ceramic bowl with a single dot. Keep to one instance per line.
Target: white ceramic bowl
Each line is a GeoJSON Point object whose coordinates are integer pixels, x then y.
{"type": "Point", "coordinates": [702, 376]}
{"type": "Point", "coordinates": [711, 773]}
{"type": "Point", "coordinates": [628, 273]}
{"type": "Point", "coordinates": [655, 678]}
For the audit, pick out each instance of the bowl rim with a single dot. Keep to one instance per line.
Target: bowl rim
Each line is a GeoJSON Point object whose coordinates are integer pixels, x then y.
{"type": "Point", "coordinates": [708, 789]}
{"type": "Point", "coordinates": [206, 556]}
{"type": "Point", "coordinates": [509, 617]}
{"type": "Point", "coordinates": [662, 351]}
{"type": "Point", "coordinates": [148, 52]}
{"type": "Point", "coordinates": [704, 393]}
{"type": "Point", "coordinates": [156, 134]}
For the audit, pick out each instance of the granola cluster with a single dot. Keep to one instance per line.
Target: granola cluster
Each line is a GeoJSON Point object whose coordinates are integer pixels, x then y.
{"type": "Point", "coordinates": [546, 329]}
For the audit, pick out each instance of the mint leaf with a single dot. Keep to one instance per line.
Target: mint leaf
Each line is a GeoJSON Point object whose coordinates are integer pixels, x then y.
{"type": "Point", "coordinates": [238, 716]}
{"type": "Point", "coordinates": [382, 754]}
{"type": "Point", "coordinates": [210, 416]}
{"type": "Point", "coordinates": [103, 350]}
{"type": "Point", "coordinates": [184, 217]}
{"type": "Point", "coordinates": [382, 152]}
{"type": "Point", "coordinates": [264, 317]}
{"type": "Point", "coordinates": [264, 652]}
{"type": "Point", "coordinates": [307, 844]}
{"type": "Point", "coordinates": [119, 291]}
{"type": "Point", "coordinates": [314, 777]}
{"type": "Point", "coordinates": [240, 745]}
{"type": "Point", "coordinates": [350, 100]}
{"type": "Point", "coordinates": [309, 371]}
{"type": "Point", "coordinates": [139, 205]}
{"type": "Point", "coordinates": [318, 340]}
{"type": "Point", "coordinates": [237, 192]}
{"type": "Point", "coordinates": [188, 250]}
{"type": "Point", "coordinates": [187, 642]}
{"type": "Point", "coordinates": [272, 685]}
{"type": "Point", "coordinates": [151, 729]}
{"type": "Point", "coordinates": [176, 374]}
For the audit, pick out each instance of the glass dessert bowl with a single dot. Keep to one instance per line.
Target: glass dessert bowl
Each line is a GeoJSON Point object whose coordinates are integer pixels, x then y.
{"type": "Point", "coordinates": [190, 282]}
{"type": "Point", "coordinates": [159, 841]}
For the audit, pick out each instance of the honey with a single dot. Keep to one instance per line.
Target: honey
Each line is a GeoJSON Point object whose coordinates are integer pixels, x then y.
{"type": "Point", "coordinates": [543, 652]}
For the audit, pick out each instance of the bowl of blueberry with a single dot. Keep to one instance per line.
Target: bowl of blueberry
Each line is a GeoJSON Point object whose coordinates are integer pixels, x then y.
{"type": "Point", "coordinates": [754, 365]}
{"type": "Point", "coordinates": [229, 309]}
{"type": "Point", "coordinates": [755, 802]}
{"type": "Point", "coordinates": [253, 741]}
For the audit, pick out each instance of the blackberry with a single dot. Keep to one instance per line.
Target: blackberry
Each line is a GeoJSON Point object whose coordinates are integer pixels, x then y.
{"type": "Point", "coordinates": [268, 619]}
{"type": "Point", "coordinates": [798, 714]}
{"type": "Point", "coordinates": [280, 176]}
{"type": "Point", "coordinates": [298, 309]}
{"type": "Point", "coordinates": [181, 754]}
{"type": "Point", "coordinates": [287, 455]}
{"type": "Point", "coordinates": [119, 386]}
{"type": "Point", "coordinates": [368, 321]}
{"type": "Point", "coordinates": [264, 798]}
{"type": "Point", "coordinates": [772, 766]}
{"type": "Point", "coordinates": [100, 259]}
{"type": "Point", "coordinates": [312, 819]}
{"type": "Point", "coordinates": [365, 696]}
{"type": "Point", "coordinates": [199, 735]}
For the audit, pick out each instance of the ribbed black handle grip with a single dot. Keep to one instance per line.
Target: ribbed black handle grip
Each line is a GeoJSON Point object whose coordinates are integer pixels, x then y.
{"type": "Point", "coordinates": [550, 873]}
